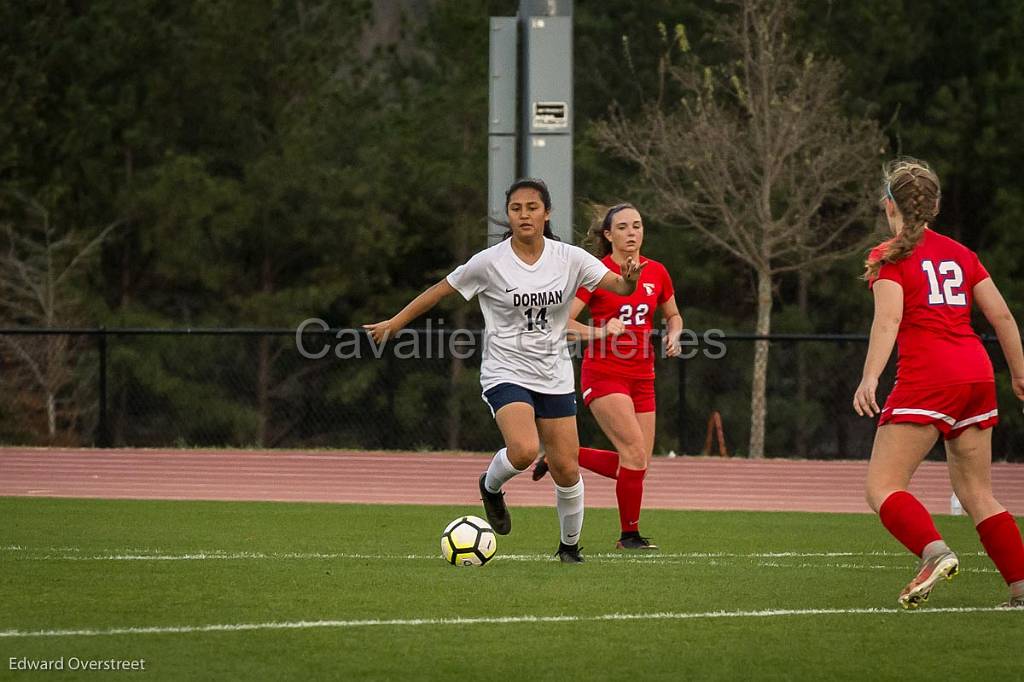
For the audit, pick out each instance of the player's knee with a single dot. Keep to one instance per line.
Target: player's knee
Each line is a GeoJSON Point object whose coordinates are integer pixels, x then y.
{"type": "Point", "coordinates": [633, 456]}
{"type": "Point", "coordinates": [875, 495]}
{"type": "Point", "coordinates": [974, 498]}
{"type": "Point", "coordinates": [522, 452]}
{"type": "Point", "coordinates": [564, 471]}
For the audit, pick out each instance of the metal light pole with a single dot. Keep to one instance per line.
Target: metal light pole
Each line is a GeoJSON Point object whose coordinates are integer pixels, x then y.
{"type": "Point", "coordinates": [531, 85]}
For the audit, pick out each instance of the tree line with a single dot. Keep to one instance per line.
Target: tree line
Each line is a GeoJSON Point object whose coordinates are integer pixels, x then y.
{"type": "Point", "coordinates": [255, 164]}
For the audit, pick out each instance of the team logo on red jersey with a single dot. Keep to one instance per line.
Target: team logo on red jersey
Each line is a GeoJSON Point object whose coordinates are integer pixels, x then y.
{"type": "Point", "coordinates": [649, 288]}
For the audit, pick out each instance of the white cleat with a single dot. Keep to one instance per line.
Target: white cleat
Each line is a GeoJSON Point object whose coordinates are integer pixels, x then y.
{"type": "Point", "coordinates": [929, 572]}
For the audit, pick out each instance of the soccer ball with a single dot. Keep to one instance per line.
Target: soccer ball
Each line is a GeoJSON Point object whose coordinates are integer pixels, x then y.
{"type": "Point", "coordinates": [468, 541]}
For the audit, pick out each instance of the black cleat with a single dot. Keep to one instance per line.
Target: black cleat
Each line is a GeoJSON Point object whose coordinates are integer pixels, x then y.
{"type": "Point", "coordinates": [569, 554]}
{"type": "Point", "coordinates": [540, 468]}
{"type": "Point", "coordinates": [637, 542]}
{"type": "Point", "coordinates": [494, 507]}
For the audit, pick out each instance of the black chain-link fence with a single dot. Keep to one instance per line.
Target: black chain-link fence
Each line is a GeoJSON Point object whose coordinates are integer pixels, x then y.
{"type": "Point", "coordinates": [336, 389]}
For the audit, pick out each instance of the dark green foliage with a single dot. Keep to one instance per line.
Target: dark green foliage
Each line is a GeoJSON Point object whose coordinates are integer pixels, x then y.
{"type": "Point", "coordinates": [267, 162]}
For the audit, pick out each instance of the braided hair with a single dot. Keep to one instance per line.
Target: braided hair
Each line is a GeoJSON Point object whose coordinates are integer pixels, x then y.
{"type": "Point", "coordinates": [914, 188]}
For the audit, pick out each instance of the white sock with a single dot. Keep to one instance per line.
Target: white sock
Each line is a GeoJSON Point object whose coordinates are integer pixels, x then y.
{"type": "Point", "coordinates": [500, 471]}
{"type": "Point", "coordinates": [1017, 588]}
{"type": "Point", "coordinates": [569, 502]}
{"type": "Point", "coordinates": [933, 548]}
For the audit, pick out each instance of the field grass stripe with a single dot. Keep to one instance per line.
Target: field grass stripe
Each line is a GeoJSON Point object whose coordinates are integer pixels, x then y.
{"type": "Point", "coordinates": [494, 620]}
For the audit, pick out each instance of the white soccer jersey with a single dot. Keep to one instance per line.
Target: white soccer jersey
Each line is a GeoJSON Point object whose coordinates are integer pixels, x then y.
{"type": "Point", "coordinates": [526, 311]}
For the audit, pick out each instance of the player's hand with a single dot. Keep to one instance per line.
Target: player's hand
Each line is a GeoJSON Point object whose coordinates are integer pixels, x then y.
{"type": "Point", "coordinates": [671, 344]}
{"type": "Point", "coordinates": [1018, 387]}
{"type": "Point", "coordinates": [864, 402]}
{"type": "Point", "coordinates": [614, 327]}
{"type": "Point", "coordinates": [632, 269]}
{"type": "Point", "coordinates": [379, 331]}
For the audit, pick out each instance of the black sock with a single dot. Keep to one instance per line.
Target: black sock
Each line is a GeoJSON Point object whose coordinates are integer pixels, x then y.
{"type": "Point", "coordinates": [629, 534]}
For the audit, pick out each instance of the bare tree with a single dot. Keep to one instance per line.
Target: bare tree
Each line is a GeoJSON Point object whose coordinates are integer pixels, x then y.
{"type": "Point", "coordinates": [38, 289]}
{"type": "Point", "coordinates": [756, 154]}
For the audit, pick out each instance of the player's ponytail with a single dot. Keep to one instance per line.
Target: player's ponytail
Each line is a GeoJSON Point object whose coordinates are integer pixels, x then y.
{"type": "Point", "coordinates": [545, 196]}
{"type": "Point", "coordinates": [914, 187]}
{"type": "Point", "coordinates": [602, 222]}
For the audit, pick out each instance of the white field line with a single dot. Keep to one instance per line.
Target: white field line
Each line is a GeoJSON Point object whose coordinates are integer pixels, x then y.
{"type": "Point", "coordinates": [499, 620]}
{"type": "Point", "coordinates": [153, 553]}
{"type": "Point", "coordinates": [684, 558]}
{"type": "Point", "coordinates": [149, 553]}
{"type": "Point", "coordinates": [866, 567]}
{"type": "Point", "coordinates": [653, 561]}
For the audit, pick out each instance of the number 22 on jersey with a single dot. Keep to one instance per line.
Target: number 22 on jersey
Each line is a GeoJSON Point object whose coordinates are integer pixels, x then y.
{"type": "Point", "coordinates": [952, 279]}
{"type": "Point", "coordinates": [629, 316]}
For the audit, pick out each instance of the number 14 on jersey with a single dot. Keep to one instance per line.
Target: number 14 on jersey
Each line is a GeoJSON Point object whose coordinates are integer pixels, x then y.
{"type": "Point", "coordinates": [536, 319]}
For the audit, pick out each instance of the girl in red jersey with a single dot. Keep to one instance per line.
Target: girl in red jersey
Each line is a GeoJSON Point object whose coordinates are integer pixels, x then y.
{"type": "Point", "coordinates": [924, 284]}
{"type": "Point", "coordinates": [617, 376]}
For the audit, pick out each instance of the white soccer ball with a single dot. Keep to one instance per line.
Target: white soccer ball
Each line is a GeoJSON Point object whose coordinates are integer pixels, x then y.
{"type": "Point", "coordinates": [468, 541]}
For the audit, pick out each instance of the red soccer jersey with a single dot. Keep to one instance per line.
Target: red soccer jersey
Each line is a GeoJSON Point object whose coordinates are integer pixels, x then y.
{"type": "Point", "coordinates": [630, 354]}
{"type": "Point", "coordinates": [937, 346]}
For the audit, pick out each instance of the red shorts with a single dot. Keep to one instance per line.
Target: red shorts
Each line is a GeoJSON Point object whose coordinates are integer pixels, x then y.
{"type": "Point", "coordinates": [594, 385]}
{"type": "Point", "coordinates": [951, 409]}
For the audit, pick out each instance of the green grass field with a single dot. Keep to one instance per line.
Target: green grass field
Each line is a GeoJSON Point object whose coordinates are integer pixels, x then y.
{"type": "Point", "coordinates": [360, 592]}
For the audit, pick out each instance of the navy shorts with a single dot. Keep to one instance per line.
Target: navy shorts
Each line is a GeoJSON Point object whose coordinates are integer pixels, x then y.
{"type": "Point", "coordinates": [545, 405]}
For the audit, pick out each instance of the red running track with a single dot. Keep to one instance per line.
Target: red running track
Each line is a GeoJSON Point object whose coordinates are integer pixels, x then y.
{"type": "Point", "coordinates": [414, 478]}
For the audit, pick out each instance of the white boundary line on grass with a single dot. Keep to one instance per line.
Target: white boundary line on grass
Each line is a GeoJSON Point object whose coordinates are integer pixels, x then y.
{"type": "Point", "coordinates": [499, 620]}
{"type": "Point", "coordinates": [767, 559]}
{"type": "Point", "coordinates": [139, 554]}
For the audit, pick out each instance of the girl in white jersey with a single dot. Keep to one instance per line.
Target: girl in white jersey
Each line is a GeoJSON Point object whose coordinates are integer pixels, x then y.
{"type": "Point", "coordinates": [526, 285]}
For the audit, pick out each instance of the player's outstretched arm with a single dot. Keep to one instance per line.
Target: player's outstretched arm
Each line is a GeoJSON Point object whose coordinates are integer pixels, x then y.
{"type": "Point", "coordinates": [998, 314]}
{"type": "Point", "coordinates": [884, 328]}
{"type": "Point", "coordinates": [381, 331]}
{"type": "Point", "coordinates": [624, 284]}
{"type": "Point", "coordinates": [577, 331]}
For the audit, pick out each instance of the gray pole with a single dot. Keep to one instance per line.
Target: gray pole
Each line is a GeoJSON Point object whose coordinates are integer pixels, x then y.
{"type": "Point", "coordinates": [547, 106]}
{"type": "Point", "coordinates": [501, 122]}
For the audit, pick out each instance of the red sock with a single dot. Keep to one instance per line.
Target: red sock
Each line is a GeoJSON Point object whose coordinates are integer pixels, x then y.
{"type": "Point", "coordinates": [629, 489]}
{"type": "Point", "coordinates": [604, 462]}
{"type": "Point", "coordinates": [1001, 538]}
{"type": "Point", "coordinates": [908, 521]}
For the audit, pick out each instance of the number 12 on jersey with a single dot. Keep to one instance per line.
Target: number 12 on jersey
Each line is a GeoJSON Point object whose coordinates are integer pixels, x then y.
{"type": "Point", "coordinates": [952, 280]}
